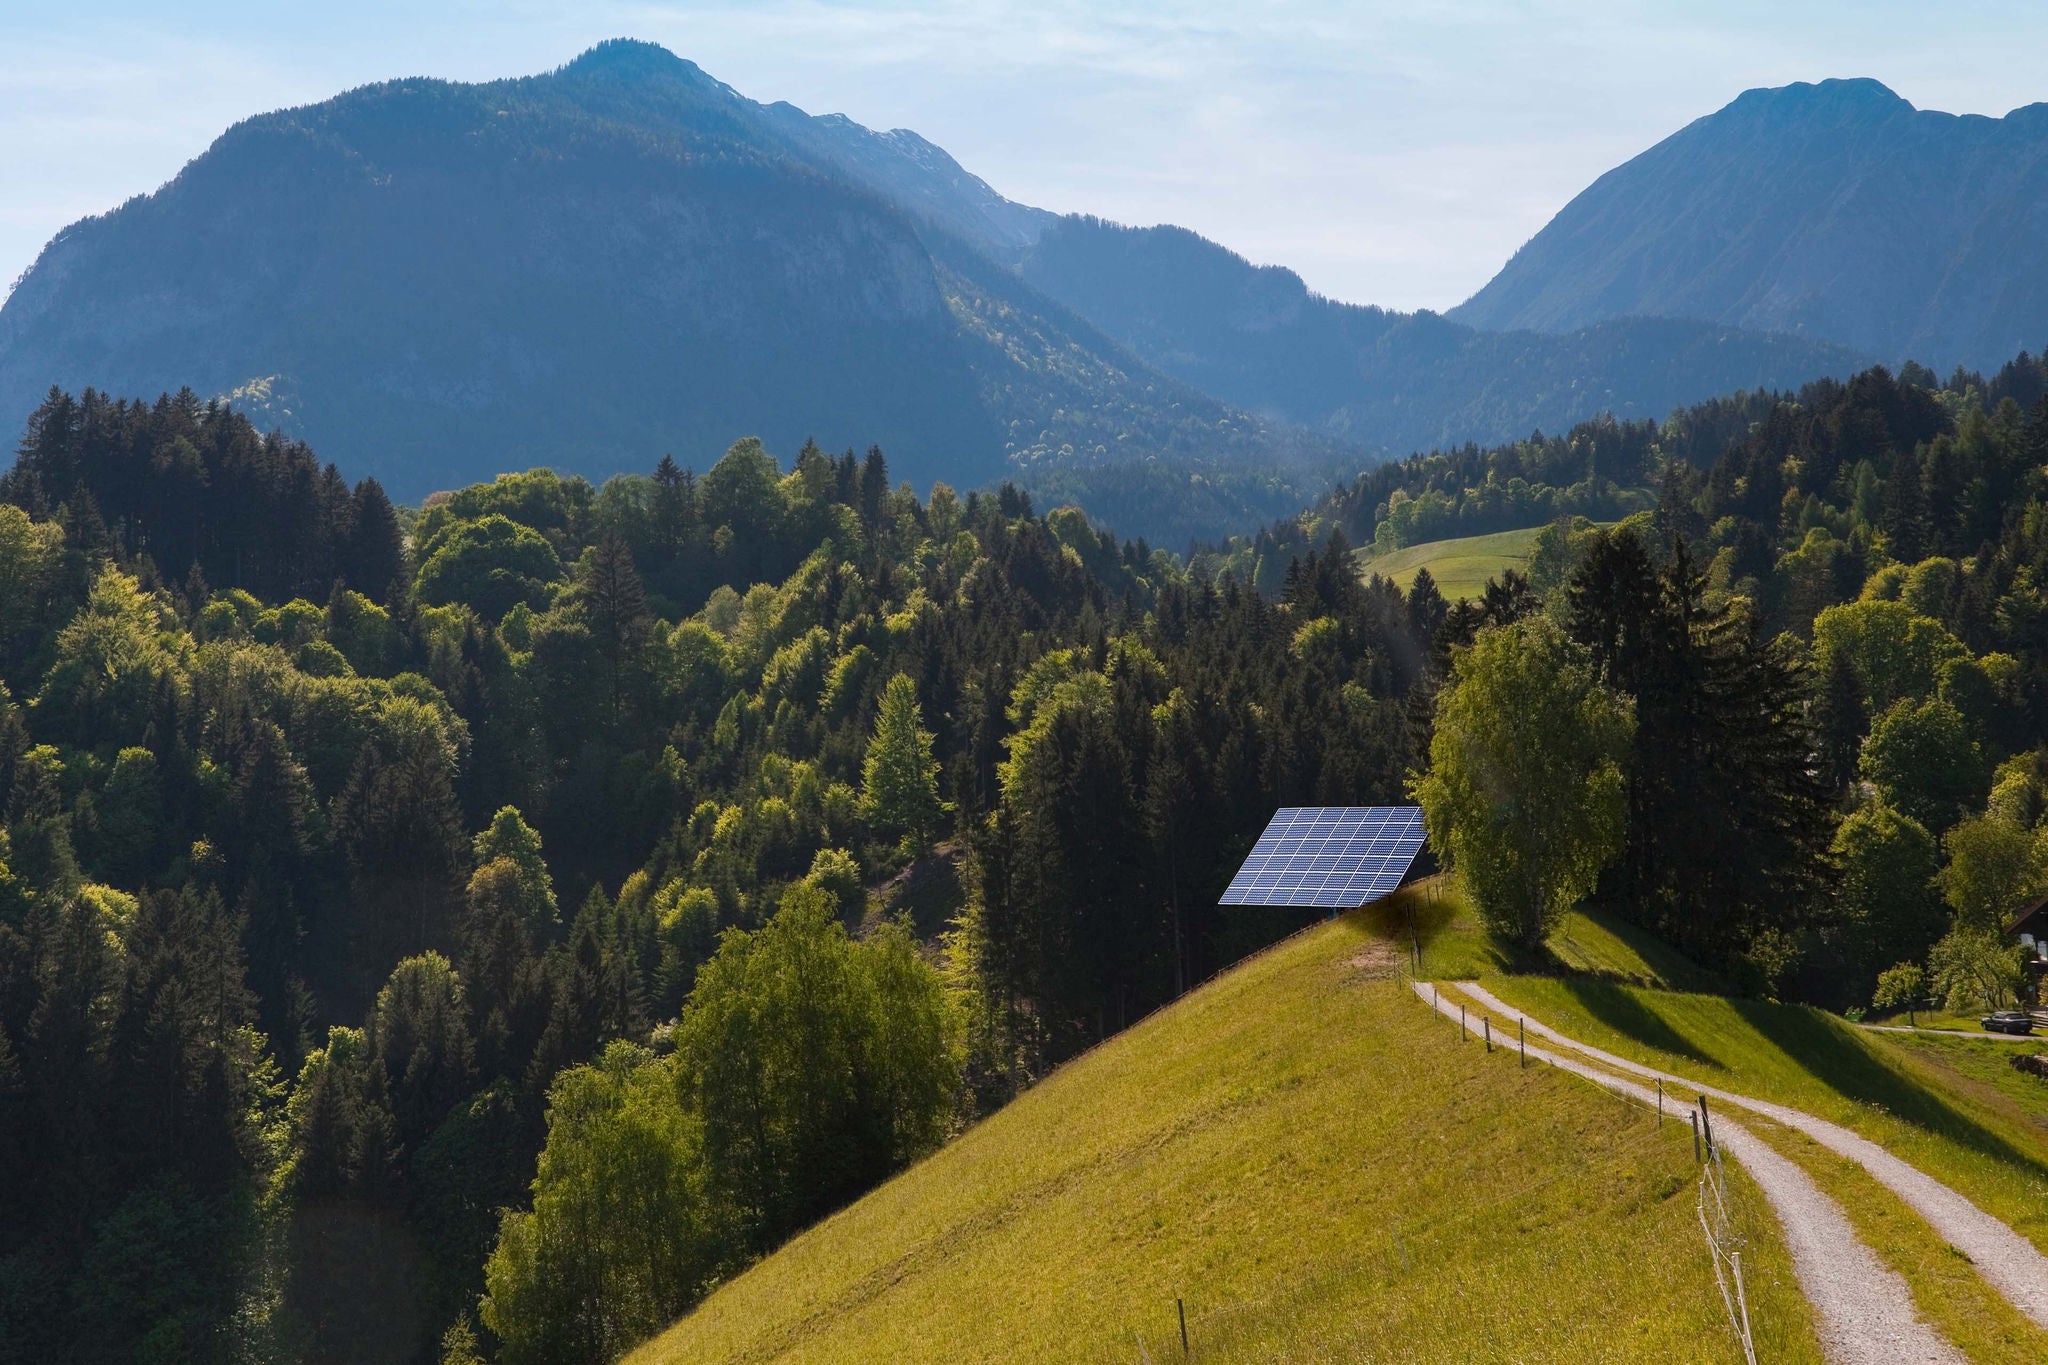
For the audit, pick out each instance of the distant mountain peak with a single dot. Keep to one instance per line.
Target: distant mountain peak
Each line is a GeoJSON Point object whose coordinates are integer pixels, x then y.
{"type": "Point", "coordinates": [1830, 209]}
{"type": "Point", "coordinates": [628, 56]}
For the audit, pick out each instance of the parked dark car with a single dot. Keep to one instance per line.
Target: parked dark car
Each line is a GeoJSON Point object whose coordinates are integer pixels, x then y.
{"type": "Point", "coordinates": [2009, 1021]}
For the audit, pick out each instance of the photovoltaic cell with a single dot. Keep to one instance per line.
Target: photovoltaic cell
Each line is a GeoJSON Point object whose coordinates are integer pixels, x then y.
{"type": "Point", "coordinates": [1336, 857]}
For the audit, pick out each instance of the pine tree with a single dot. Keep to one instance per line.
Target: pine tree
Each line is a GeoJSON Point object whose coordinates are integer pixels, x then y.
{"type": "Point", "coordinates": [614, 605]}
{"type": "Point", "coordinates": [374, 558]}
{"type": "Point", "coordinates": [900, 777]}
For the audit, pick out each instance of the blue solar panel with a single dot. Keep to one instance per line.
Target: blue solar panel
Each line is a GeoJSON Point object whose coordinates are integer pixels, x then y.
{"type": "Point", "coordinates": [1335, 857]}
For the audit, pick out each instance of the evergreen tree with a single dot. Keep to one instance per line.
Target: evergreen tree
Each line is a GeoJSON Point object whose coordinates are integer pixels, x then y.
{"type": "Point", "coordinates": [374, 558]}
{"type": "Point", "coordinates": [899, 777]}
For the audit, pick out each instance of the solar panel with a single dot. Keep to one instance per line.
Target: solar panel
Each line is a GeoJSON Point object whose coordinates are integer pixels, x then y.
{"type": "Point", "coordinates": [1336, 857]}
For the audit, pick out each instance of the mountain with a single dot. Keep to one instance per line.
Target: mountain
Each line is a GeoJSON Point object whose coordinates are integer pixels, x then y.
{"type": "Point", "coordinates": [1835, 210]}
{"type": "Point", "coordinates": [1256, 337]}
{"type": "Point", "coordinates": [433, 282]}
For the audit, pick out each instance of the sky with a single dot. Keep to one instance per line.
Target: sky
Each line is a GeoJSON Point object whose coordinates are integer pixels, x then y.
{"type": "Point", "coordinates": [1394, 154]}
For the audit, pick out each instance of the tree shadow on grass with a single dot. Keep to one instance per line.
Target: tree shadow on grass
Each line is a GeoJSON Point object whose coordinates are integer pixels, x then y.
{"type": "Point", "coordinates": [1621, 1011]}
{"type": "Point", "coordinates": [1846, 1064]}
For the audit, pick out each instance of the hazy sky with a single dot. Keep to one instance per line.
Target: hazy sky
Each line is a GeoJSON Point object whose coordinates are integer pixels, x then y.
{"type": "Point", "coordinates": [1392, 153]}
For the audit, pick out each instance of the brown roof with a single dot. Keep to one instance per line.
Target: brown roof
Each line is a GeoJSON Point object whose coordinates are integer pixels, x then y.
{"type": "Point", "coordinates": [2031, 920]}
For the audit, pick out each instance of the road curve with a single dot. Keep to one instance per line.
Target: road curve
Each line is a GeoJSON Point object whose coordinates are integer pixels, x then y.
{"type": "Point", "coordinates": [2009, 1262]}
{"type": "Point", "coordinates": [1864, 1312]}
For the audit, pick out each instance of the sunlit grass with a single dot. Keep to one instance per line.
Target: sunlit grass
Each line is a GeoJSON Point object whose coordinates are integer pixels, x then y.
{"type": "Point", "coordinates": [1973, 1137]}
{"type": "Point", "coordinates": [1947, 1290]}
{"type": "Point", "coordinates": [1462, 566]}
{"type": "Point", "coordinates": [1313, 1163]}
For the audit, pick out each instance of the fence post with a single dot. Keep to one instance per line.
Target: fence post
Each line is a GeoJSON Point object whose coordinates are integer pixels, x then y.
{"type": "Point", "coordinates": [1696, 1158]}
{"type": "Point", "coordinates": [1706, 1123]}
{"type": "Point", "coordinates": [1742, 1300]}
{"type": "Point", "coordinates": [1660, 1103]}
{"type": "Point", "coordinates": [1522, 1041]}
{"type": "Point", "coordinates": [1182, 1309]}
{"type": "Point", "coordinates": [1461, 1023]}
{"type": "Point", "coordinates": [1489, 1033]}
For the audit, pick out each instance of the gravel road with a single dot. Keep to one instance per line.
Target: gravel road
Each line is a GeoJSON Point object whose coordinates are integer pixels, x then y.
{"type": "Point", "coordinates": [1864, 1312]}
{"type": "Point", "coordinates": [2008, 1261]}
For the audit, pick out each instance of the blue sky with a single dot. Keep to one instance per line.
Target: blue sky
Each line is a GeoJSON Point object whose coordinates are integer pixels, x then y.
{"type": "Point", "coordinates": [1392, 153]}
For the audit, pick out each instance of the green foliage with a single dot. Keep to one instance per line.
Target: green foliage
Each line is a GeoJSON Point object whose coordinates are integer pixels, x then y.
{"type": "Point", "coordinates": [900, 777]}
{"type": "Point", "coordinates": [1900, 987]}
{"type": "Point", "coordinates": [1898, 654]}
{"type": "Point", "coordinates": [806, 1065]}
{"type": "Point", "coordinates": [1886, 896]}
{"type": "Point", "coordinates": [1923, 760]}
{"type": "Point", "coordinates": [817, 1063]}
{"type": "Point", "coordinates": [1974, 968]}
{"type": "Point", "coordinates": [835, 873]}
{"type": "Point", "coordinates": [1524, 793]}
{"type": "Point", "coordinates": [617, 1241]}
{"type": "Point", "coordinates": [490, 565]}
{"type": "Point", "coordinates": [113, 667]}
{"type": "Point", "coordinates": [1994, 870]}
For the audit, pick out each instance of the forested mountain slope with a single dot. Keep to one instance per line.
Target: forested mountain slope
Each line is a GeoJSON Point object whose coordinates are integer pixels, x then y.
{"type": "Point", "coordinates": [1834, 210]}
{"type": "Point", "coordinates": [367, 875]}
{"type": "Point", "coordinates": [331, 846]}
{"type": "Point", "coordinates": [1255, 337]}
{"type": "Point", "coordinates": [439, 281]}
{"type": "Point", "coordinates": [435, 281]}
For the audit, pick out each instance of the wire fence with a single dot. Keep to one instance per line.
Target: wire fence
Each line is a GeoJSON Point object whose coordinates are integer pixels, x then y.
{"type": "Point", "coordinates": [1721, 1214]}
{"type": "Point", "coordinates": [1725, 1241]}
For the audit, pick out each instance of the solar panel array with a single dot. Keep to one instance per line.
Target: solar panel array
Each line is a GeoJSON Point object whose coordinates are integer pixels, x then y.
{"type": "Point", "coordinates": [1336, 857]}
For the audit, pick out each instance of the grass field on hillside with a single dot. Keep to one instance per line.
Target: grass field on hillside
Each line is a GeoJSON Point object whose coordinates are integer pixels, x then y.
{"type": "Point", "coordinates": [1315, 1164]}
{"type": "Point", "coordinates": [1927, 1110]}
{"type": "Point", "coordinates": [1461, 567]}
{"type": "Point", "coordinates": [1952, 1105]}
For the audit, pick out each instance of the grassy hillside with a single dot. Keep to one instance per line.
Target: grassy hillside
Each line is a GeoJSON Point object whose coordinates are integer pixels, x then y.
{"type": "Point", "coordinates": [1952, 1106]}
{"type": "Point", "coordinates": [1461, 567]}
{"type": "Point", "coordinates": [1924, 1107]}
{"type": "Point", "coordinates": [1314, 1163]}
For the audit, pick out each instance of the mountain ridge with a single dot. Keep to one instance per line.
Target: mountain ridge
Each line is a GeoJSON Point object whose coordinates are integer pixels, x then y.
{"type": "Point", "coordinates": [433, 281]}
{"type": "Point", "coordinates": [1832, 209]}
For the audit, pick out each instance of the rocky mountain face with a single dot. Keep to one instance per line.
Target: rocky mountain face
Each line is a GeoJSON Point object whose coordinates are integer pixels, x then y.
{"type": "Point", "coordinates": [1834, 210]}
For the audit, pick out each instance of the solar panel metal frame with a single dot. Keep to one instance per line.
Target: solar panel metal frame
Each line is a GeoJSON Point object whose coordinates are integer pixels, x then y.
{"type": "Point", "coordinates": [1331, 857]}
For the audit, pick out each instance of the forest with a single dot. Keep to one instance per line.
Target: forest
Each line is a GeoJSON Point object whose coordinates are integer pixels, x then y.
{"type": "Point", "coordinates": [473, 932]}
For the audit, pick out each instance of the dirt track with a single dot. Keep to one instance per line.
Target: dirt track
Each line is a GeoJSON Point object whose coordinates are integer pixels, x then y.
{"type": "Point", "coordinates": [2008, 1261]}
{"type": "Point", "coordinates": [1864, 1312]}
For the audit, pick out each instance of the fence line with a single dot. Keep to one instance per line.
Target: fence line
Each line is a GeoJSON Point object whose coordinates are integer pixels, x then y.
{"type": "Point", "coordinates": [1725, 1242]}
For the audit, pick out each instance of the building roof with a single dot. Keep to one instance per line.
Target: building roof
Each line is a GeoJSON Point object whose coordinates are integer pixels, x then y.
{"type": "Point", "coordinates": [2032, 920]}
